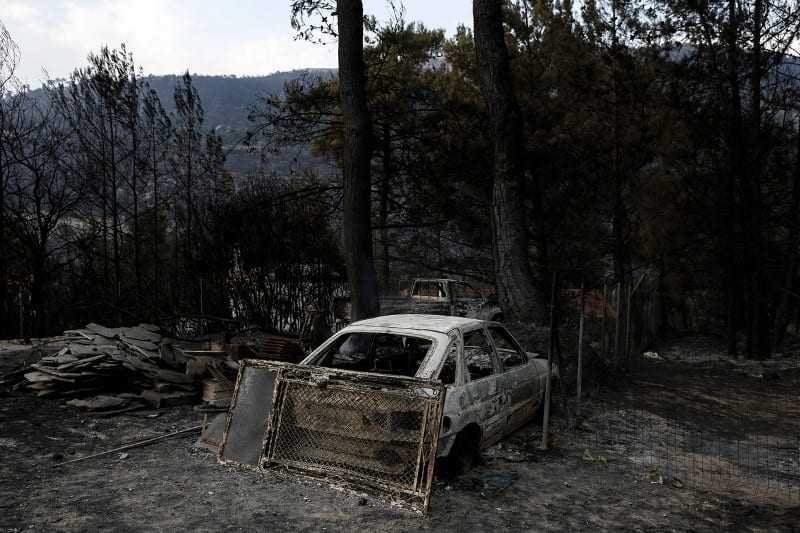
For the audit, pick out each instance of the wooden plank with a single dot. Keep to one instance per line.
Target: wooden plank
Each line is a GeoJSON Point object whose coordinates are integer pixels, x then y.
{"type": "Point", "coordinates": [144, 353]}
{"type": "Point", "coordinates": [54, 372]}
{"type": "Point", "coordinates": [85, 351]}
{"type": "Point", "coordinates": [103, 331]}
{"type": "Point", "coordinates": [145, 345]}
{"type": "Point", "coordinates": [78, 333]}
{"type": "Point", "coordinates": [140, 334]}
{"type": "Point", "coordinates": [42, 377]}
{"type": "Point", "coordinates": [82, 362]}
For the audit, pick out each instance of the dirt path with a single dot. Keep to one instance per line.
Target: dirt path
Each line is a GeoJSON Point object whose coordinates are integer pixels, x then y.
{"type": "Point", "coordinates": [174, 486]}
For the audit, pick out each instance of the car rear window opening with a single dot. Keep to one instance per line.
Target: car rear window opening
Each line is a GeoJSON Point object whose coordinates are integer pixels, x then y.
{"type": "Point", "coordinates": [383, 353]}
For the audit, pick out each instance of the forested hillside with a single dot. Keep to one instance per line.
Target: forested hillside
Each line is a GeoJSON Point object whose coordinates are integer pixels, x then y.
{"type": "Point", "coordinates": [227, 103]}
{"type": "Point", "coordinates": [628, 148]}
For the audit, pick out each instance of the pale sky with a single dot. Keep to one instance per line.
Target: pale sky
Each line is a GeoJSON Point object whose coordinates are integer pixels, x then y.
{"type": "Point", "coordinates": [169, 36]}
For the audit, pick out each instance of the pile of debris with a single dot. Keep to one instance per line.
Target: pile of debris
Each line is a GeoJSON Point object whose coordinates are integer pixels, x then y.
{"type": "Point", "coordinates": [97, 359]}
{"type": "Point", "coordinates": [112, 369]}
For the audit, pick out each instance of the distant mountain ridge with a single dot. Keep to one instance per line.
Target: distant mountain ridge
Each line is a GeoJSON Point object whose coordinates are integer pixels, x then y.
{"type": "Point", "coordinates": [227, 100]}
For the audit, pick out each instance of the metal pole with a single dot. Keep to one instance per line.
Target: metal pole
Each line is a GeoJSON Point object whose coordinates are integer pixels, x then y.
{"type": "Point", "coordinates": [631, 293]}
{"type": "Point", "coordinates": [546, 417]}
{"type": "Point", "coordinates": [580, 353]}
{"type": "Point", "coordinates": [628, 328]}
{"type": "Point", "coordinates": [135, 444]}
{"type": "Point", "coordinates": [616, 326]}
{"type": "Point", "coordinates": [603, 340]}
{"type": "Point", "coordinates": [21, 314]}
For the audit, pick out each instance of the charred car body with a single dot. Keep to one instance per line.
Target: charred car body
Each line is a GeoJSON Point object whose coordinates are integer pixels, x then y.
{"type": "Point", "coordinates": [430, 296]}
{"type": "Point", "coordinates": [493, 386]}
{"type": "Point", "coordinates": [380, 400]}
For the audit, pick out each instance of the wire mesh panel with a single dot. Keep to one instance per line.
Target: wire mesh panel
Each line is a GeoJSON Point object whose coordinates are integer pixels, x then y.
{"type": "Point", "coordinates": [372, 430]}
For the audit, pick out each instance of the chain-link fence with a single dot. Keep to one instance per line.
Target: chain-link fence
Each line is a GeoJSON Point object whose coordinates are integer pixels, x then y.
{"type": "Point", "coordinates": [373, 435]}
{"type": "Point", "coordinates": [753, 466]}
{"type": "Point", "coordinates": [676, 407]}
{"type": "Point", "coordinates": [367, 430]}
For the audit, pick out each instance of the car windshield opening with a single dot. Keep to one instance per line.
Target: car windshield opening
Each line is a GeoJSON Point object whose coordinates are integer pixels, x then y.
{"type": "Point", "coordinates": [382, 353]}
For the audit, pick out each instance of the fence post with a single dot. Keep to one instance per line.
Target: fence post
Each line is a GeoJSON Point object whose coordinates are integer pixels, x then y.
{"type": "Point", "coordinates": [603, 339]}
{"type": "Point", "coordinates": [616, 325]}
{"type": "Point", "coordinates": [580, 353]}
{"type": "Point", "coordinates": [21, 314]}
{"type": "Point", "coordinates": [628, 327]}
{"type": "Point", "coordinates": [631, 294]}
{"type": "Point", "coordinates": [546, 417]}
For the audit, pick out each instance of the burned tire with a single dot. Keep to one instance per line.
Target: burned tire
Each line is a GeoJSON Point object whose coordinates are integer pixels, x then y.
{"type": "Point", "coordinates": [465, 452]}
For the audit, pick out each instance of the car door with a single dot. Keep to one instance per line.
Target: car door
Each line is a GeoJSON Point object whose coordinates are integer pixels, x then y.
{"type": "Point", "coordinates": [484, 387]}
{"type": "Point", "coordinates": [520, 375]}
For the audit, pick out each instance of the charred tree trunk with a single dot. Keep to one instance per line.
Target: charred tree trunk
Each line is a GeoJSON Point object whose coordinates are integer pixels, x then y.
{"type": "Point", "coordinates": [5, 304]}
{"type": "Point", "coordinates": [758, 340]}
{"type": "Point", "coordinates": [732, 259]}
{"type": "Point", "coordinates": [517, 293]}
{"type": "Point", "coordinates": [115, 233]}
{"type": "Point", "coordinates": [155, 252]}
{"type": "Point", "coordinates": [386, 180]}
{"type": "Point", "coordinates": [783, 315]}
{"type": "Point", "coordinates": [134, 128]}
{"type": "Point", "coordinates": [356, 158]}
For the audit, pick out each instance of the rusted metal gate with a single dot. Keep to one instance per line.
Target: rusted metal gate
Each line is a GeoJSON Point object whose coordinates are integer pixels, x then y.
{"type": "Point", "coordinates": [368, 430]}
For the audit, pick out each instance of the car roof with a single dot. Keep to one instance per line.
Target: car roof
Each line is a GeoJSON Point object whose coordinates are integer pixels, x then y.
{"type": "Point", "coordinates": [437, 323]}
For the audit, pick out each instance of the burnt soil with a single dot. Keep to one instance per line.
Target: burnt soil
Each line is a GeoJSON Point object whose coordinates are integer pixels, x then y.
{"type": "Point", "coordinates": [173, 485]}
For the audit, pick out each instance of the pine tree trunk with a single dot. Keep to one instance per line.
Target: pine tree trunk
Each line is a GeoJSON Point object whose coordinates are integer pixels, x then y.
{"type": "Point", "coordinates": [732, 259]}
{"type": "Point", "coordinates": [386, 180]}
{"type": "Point", "coordinates": [156, 258]}
{"type": "Point", "coordinates": [115, 234]}
{"type": "Point", "coordinates": [517, 293]}
{"type": "Point", "coordinates": [760, 325]}
{"type": "Point", "coordinates": [5, 306]}
{"type": "Point", "coordinates": [782, 315]}
{"type": "Point", "coordinates": [356, 162]}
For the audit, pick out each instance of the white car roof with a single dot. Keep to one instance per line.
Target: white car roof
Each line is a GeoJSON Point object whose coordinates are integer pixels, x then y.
{"type": "Point", "coordinates": [436, 323]}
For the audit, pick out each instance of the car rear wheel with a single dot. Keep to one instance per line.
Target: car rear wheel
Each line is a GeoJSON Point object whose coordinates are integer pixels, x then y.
{"type": "Point", "coordinates": [465, 452]}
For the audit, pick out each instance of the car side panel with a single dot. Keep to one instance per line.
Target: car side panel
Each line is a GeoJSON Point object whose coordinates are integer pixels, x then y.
{"type": "Point", "coordinates": [524, 391]}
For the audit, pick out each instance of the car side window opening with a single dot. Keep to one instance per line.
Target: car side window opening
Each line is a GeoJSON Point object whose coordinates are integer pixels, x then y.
{"type": "Point", "coordinates": [384, 353]}
{"type": "Point", "coordinates": [447, 375]}
{"type": "Point", "coordinates": [478, 355]}
{"type": "Point", "coordinates": [507, 350]}
{"type": "Point", "coordinates": [429, 289]}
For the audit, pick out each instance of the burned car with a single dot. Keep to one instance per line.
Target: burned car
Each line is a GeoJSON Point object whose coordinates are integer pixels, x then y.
{"type": "Point", "coordinates": [493, 386]}
{"type": "Point", "coordinates": [381, 400]}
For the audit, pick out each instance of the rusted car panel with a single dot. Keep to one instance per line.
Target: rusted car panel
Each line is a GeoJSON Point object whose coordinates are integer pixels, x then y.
{"type": "Point", "coordinates": [366, 429]}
